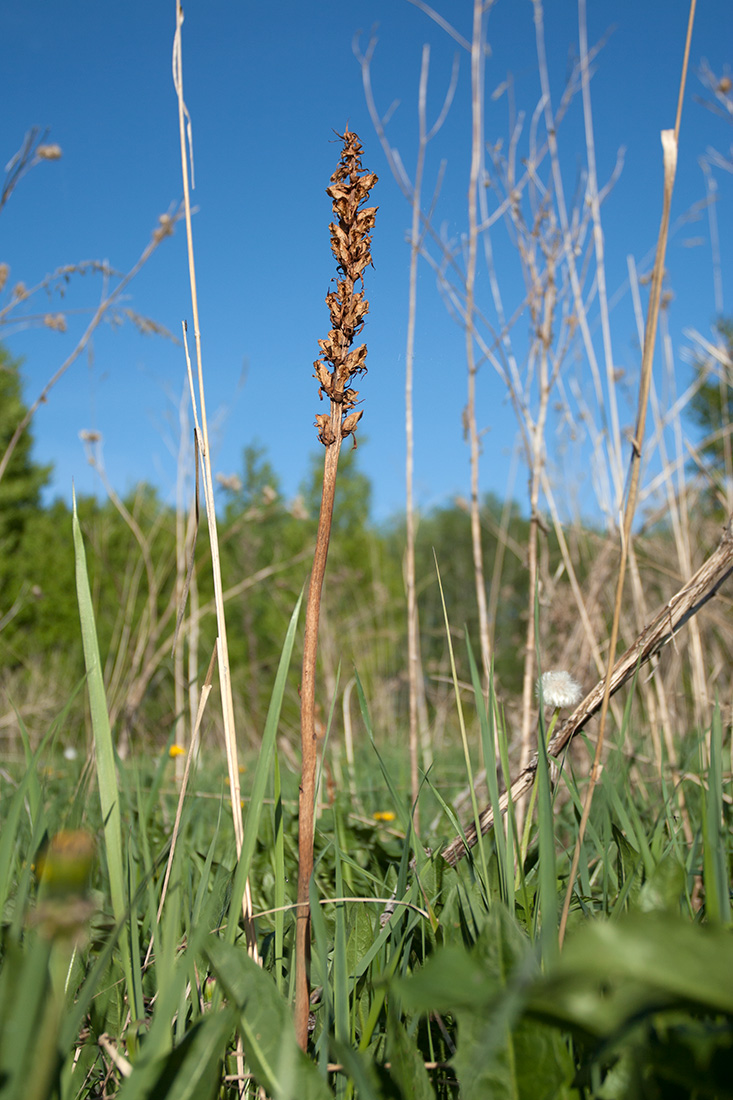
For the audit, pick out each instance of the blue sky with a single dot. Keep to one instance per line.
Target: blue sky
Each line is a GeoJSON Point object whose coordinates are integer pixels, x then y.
{"type": "Point", "coordinates": [266, 86]}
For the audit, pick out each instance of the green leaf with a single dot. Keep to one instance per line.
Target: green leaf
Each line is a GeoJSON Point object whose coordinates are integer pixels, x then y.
{"type": "Point", "coordinates": [503, 1059]}
{"type": "Point", "coordinates": [29, 1021]}
{"type": "Point", "coordinates": [259, 784]}
{"type": "Point", "coordinates": [611, 971]}
{"type": "Point", "coordinates": [361, 935]}
{"type": "Point", "coordinates": [266, 1026]}
{"type": "Point", "coordinates": [105, 759]}
{"type": "Point", "coordinates": [192, 1071]}
{"type": "Point", "coordinates": [449, 980]}
{"type": "Point", "coordinates": [664, 888]}
{"type": "Point", "coordinates": [629, 868]}
{"type": "Point", "coordinates": [407, 1065]}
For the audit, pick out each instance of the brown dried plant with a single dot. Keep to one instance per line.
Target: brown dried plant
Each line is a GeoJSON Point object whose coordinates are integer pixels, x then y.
{"type": "Point", "coordinates": [336, 367]}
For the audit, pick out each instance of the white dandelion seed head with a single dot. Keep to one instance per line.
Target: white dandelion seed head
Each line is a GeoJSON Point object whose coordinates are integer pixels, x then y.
{"type": "Point", "coordinates": [559, 689]}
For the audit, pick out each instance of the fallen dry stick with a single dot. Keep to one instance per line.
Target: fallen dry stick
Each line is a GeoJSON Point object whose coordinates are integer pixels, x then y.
{"type": "Point", "coordinates": [663, 628]}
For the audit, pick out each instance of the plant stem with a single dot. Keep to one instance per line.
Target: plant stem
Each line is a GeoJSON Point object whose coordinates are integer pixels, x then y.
{"type": "Point", "coordinates": [533, 798]}
{"type": "Point", "coordinates": [309, 745]}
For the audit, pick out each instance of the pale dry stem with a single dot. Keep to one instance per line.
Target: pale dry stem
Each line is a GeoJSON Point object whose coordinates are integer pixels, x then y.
{"type": "Point", "coordinates": [223, 652]}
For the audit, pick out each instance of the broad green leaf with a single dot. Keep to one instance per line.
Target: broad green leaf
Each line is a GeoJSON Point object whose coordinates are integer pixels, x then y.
{"type": "Point", "coordinates": [449, 980]}
{"type": "Point", "coordinates": [504, 1058]}
{"type": "Point", "coordinates": [665, 887]}
{"type": "Point", "coordinates": [610, 971]}
{"type": "Point", "coordinates": [105, 758]}
{"type": "Point", "coordinates": [266, 1026]}
{"type": "Point", "coordinates": [192, 1070]}
{"type": "Point", "coordinates": [407, 1065]}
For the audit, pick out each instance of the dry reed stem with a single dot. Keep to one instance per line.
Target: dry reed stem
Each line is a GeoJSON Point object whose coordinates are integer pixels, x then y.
{"type": "Point", "coordinates": [476, 171]}
{"type": "Point", "coordinates": [203, 436]}
{"type": "Point", "coordinates": [186, 534]}
{"type": "Point", "coordinates": [335, 369]}
{"type": "Point", "coordinates": [420, 225]}
{"type": "Point", "coordinates": [670, 145]}
{"type": "Point", "coordinates": [660, 632]}
{"type": "Point", "coordinates": [414, 669]}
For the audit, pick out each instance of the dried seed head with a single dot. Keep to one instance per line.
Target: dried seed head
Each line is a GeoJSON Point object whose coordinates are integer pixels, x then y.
{"type": "Point", "coordinates": [559, 689]}
{"type": "Point", "coordinates": [55, 321]}
{"type": "Point", "coordinates": [351, 242]}
{"type": "Point", "coordinates": [48, 152]}
{"type": "Point", "coordinates": [165, 228]}
{"type": "Point", "coordinates": [4, 274]}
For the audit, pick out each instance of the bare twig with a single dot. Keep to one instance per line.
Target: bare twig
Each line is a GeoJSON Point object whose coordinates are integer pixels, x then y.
{"type": "Point", "coordinates": [165, 229]}
{"type": "Point", "coordinates": [33, 151]}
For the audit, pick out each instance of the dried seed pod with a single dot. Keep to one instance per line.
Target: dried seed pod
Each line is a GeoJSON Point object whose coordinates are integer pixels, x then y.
{"type": "Point", "coordinates": [325, 431]}
{"type": "Point", "coordinates": [349, 423]}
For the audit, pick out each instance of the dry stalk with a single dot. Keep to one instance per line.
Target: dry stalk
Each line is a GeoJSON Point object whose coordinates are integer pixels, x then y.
{"type": "Point", "coordinates": [660, 632]}
{"type": "Point", "coordinates": [477, 145]}
{"type": "Point", "coordinates": [670, 143]}
{"type": "Point", "coordinates": [186, 532]}
{"type": "Point", "coordinates": [202, 434]}
{"type": "Point", "coordinates": [419, 226]}
{"type": "Point", "coordinates": [336, 367]}
{"type": "Point", "coordinates": [414, 671]}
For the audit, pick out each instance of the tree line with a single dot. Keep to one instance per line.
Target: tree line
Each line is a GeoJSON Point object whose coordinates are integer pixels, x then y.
{"type": "Point", "coordinates": [134, 557]}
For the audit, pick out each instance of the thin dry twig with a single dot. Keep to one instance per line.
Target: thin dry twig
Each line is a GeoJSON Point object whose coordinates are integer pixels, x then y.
{"type": "Point", "coordinates": [165, 229]}
{"type": "Point", "coordinates": [34, 150]}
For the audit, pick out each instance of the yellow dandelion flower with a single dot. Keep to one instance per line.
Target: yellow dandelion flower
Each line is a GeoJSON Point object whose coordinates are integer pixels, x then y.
{"type": "Point", "coordinates": [176, 750]}
{"type": "Point", "coordinates": [383, 815]}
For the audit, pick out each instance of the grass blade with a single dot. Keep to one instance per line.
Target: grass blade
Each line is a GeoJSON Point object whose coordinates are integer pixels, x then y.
{"type": "Point", "coordinates": [259, 784]}
{"type": "Point", "coordinates": [104, 757]}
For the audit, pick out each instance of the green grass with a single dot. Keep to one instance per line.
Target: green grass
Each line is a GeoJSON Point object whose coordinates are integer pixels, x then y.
{"type": "Point", "coordinates": [463, 976]}
{"type": "Point", "coordinates": [429, 980]}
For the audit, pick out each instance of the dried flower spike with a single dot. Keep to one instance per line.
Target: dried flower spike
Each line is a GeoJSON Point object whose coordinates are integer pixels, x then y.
{"type": "Point", "coordinates": [559, 689]}
{"type": "Point", "coordinates": [336, 366]}
{"type": "Point", "coordinates": [351, 242]}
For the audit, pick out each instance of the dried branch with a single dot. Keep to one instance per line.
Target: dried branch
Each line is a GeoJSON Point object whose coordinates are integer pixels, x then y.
{"type": "Point", "coordinates": [658, 633]}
